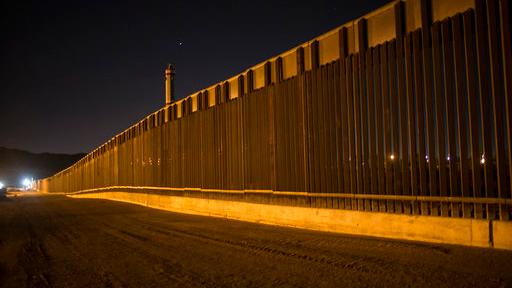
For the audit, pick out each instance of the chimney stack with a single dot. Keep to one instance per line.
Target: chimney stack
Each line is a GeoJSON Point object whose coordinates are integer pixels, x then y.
{"type": "Point", "coordinates": [169, 84]}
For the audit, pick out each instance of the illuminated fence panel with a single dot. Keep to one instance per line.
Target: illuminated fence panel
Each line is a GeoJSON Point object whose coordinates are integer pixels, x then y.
{"type": "Point", "coordinates": [418, 123]}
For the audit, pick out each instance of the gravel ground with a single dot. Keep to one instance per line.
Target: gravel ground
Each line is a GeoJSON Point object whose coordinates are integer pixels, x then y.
{"type": "Point", "coordinates": [55, 241]}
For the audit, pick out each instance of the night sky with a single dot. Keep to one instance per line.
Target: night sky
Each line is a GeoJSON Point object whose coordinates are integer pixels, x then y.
{"type": "Point", "coordinates": [75, 73]}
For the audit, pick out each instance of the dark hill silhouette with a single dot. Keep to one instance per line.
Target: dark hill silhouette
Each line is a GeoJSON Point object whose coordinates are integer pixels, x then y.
{"type": "Point", "coordinates": [16, 164]}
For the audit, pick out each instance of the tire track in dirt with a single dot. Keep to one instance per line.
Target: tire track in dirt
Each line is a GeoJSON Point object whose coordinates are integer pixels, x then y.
{"type": "Point", "coordinates": [67, 242]}
{"type": "Point", "coordinates": [135, 243]}
{"type": "Point", "coordinates": [346, 261]}
{"type": "Point", "coordinates": [33, 256]}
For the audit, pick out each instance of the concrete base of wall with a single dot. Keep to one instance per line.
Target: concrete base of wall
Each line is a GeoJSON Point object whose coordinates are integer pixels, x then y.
{"type": "Point", "coordinates": [468, 232]}
{"type": "Point", "coordinates": [502, 234]}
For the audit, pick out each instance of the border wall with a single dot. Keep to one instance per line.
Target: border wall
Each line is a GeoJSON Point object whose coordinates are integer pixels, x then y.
{"type": "Point", "coordinates": [405, 110]}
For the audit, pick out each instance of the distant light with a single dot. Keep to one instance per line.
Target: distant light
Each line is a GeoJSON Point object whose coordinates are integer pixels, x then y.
{"type": "Point", "coordinates": [392, 156]}
{"type": "Point", "coordinates": [448, 158]}
{"type": "Point", "coordinates": [27, 183]}
{"type": "Point", "coordinates": [426, 158]}
{"type": "Point", "coordinates": [2, 185]}
{"type": "Point", "coordinates": [482, 160]}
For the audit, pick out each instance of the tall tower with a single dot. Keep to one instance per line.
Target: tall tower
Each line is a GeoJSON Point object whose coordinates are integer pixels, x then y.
{"type": "Point", "coordinates": [169, 84]}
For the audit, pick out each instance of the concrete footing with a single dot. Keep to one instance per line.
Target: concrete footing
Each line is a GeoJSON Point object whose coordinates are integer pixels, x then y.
{"type": "Point", "coordinates": [502, 234]}
{"type": "Point", "coordinates": [460, 231]}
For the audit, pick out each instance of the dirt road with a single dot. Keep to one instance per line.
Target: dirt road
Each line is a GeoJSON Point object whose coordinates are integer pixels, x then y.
{"type": "Point", "coordinates": [55, 241]}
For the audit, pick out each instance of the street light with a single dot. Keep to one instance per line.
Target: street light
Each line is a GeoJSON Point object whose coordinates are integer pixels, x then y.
{"type": "Point", "coordinates": [27, 183]}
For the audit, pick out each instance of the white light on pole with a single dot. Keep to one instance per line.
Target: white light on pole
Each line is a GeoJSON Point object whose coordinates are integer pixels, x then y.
{"type": "Point", "coordinates": [27, 183]}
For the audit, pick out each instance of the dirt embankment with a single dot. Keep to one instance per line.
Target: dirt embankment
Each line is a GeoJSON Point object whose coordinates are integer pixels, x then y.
{"type": "Point", "coordinates": [54, 241]}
